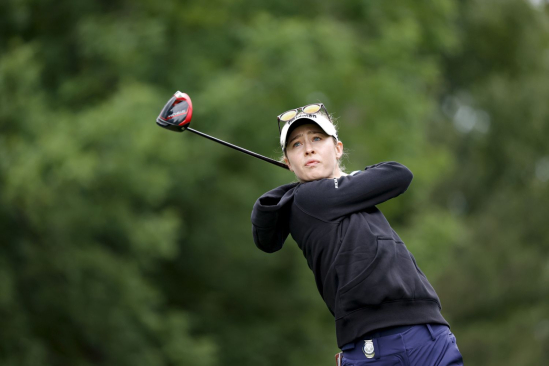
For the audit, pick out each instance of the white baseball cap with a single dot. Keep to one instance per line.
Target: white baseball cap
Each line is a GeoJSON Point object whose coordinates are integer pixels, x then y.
{"type": "Point", "coordinates": [300, 116]}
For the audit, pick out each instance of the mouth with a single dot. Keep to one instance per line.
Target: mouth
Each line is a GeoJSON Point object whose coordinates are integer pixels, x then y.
{"type": "Point", "coordinates": [312, 163]}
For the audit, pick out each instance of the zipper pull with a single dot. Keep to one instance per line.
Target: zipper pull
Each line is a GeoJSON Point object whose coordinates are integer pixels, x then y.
{"type": "Point", "coordinates": [335, 182]}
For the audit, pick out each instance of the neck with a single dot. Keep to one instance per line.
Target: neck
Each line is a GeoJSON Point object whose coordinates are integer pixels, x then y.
{"type": "Point", "coordinates": [337, 173]}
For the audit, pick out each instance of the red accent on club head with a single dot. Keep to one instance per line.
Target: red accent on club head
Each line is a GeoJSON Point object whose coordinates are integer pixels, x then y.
{"type": "Point", "coordinates": [180, 97]}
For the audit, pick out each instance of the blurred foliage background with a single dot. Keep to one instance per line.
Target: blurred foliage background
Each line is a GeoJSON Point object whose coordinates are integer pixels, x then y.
{"type": "Point", "coordinates": [125, 244]}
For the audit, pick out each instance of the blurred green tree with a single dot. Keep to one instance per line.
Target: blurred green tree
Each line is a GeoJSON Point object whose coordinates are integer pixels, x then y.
{"type": "Point", "coordinates": [497, 123]}
{"type": "Point", "coordinates": [125, 244]}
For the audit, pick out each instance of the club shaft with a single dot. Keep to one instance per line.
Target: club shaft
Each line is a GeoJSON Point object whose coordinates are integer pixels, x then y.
{"type": "Point", "coordinates": [269, 160]}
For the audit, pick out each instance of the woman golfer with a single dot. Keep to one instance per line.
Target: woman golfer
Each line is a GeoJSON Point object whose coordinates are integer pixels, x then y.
{"type": "Point", "coordinates": [386, 311]}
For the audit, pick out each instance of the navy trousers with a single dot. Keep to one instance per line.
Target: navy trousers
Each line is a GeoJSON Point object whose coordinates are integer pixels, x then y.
{"type": "Point", "coordinates": [418, 345]}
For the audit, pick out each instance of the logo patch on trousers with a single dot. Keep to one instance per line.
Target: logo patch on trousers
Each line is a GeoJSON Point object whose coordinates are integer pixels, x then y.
{"type": "Point", "coordinates": [368, 348]}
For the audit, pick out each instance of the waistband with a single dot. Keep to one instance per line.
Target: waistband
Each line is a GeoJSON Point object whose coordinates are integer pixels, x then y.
{"type": "Point", "coordinates": [400, 339]}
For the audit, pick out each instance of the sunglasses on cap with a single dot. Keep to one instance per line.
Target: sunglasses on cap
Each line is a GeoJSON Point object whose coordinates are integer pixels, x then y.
{"type": "Point", "coordinates": [312, 109]}
{"type": "Point", "coordinates": [317, 113]}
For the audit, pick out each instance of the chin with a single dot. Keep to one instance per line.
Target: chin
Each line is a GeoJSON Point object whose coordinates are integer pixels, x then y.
{"type": "Point", "coordinates": [314, 176]}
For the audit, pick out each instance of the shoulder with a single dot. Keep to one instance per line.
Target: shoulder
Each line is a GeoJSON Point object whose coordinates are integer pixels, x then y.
{"type": "Point", "coordinates": [310, 194]}
{"type": "Point", "coordinates": [277, 196]}
{"type": "Point", "coordinates": [280, 191]}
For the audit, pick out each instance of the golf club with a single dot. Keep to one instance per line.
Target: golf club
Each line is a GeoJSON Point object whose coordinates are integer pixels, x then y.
{"type": "Point", "coordinates": [177, 114]}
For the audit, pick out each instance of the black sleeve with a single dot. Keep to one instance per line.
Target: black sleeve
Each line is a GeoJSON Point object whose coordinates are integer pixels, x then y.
{"type": "Point", "coordinates": [270, 215]}
{"type": "Point", "coordinates": [376, 184]}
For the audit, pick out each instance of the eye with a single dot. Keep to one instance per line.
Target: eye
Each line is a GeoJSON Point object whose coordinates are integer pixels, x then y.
{"type": "Point", "coordinates": [317, 138]}
{"type": "Point", "coordinates": [296, 144]}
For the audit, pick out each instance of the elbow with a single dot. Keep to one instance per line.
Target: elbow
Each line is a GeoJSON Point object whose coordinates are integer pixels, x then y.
{"type": "Point", "coordinates": [267, 240]}
{"type": "Point", "coordinates": [268, 249]}
{"type": "Point", "coordinates": [407, 177]}
{"type": "Point", "coordinates": [403, 175]}
{"type": "Point", "coordinates": [406, 180]}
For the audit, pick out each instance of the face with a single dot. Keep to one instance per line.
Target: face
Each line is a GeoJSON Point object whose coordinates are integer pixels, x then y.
{"type": "Point", "coordinates": [312, 154]}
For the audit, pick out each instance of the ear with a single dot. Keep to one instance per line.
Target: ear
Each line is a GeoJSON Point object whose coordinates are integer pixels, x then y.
{"type": "Point", "coordinates": [288, 163]}
{"type": "Point", "coordinates": [339, 149]}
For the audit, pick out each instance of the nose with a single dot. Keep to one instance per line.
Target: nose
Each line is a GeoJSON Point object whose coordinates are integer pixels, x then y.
{"type": "Point", "coordinates": [309, 148]}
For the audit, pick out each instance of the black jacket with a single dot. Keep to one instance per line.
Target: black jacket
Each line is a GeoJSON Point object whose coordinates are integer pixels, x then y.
{"type": "Point", "coordinates": [363, 271]}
